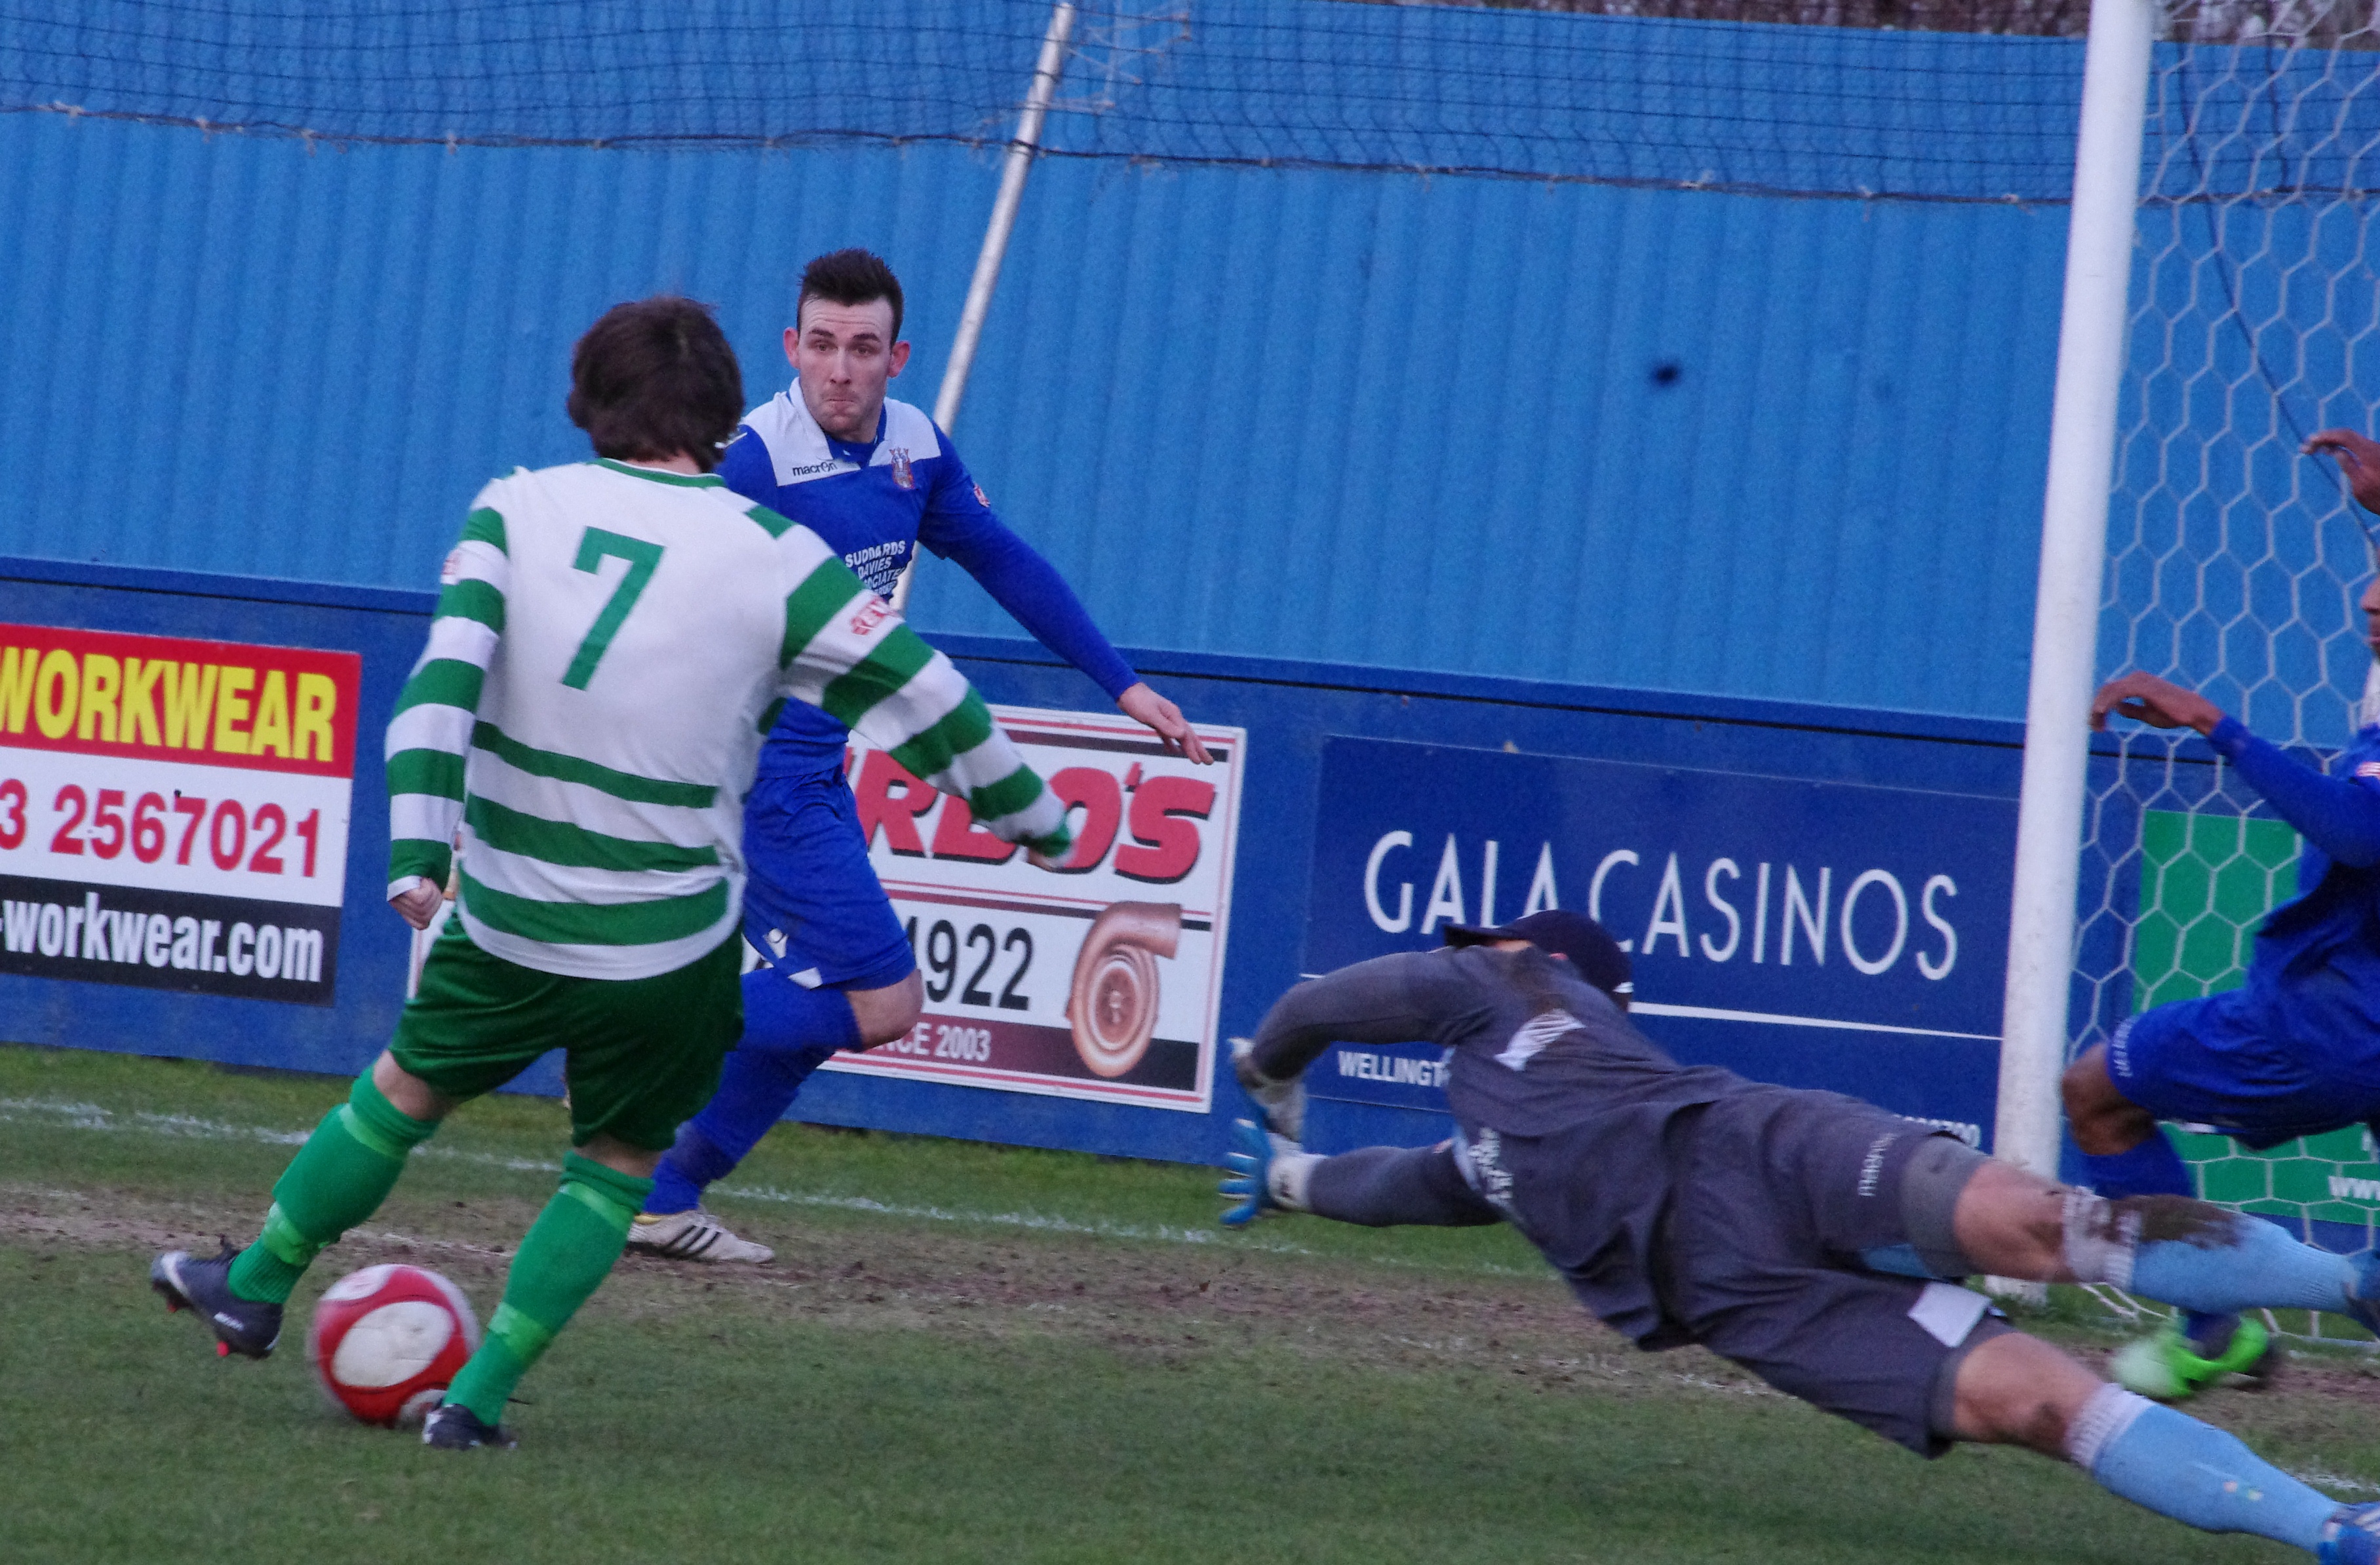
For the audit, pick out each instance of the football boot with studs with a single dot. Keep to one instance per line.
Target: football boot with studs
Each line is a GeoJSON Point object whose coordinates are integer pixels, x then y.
{"type": "Point", "coordinates": [2351, 1536]}
{"type": "Point", "coordinates": [453, 1426]}
{"type": "Point", "coordinates": [2167, 1365]}
{"type": "Point", "coordinates": [241, 1326]}
{"type": "Point", "coordinates": [693, 1235]}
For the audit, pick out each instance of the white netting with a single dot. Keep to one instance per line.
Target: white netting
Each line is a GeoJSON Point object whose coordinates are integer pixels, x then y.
{"type": "Point", "coordinates": [2234, 562]}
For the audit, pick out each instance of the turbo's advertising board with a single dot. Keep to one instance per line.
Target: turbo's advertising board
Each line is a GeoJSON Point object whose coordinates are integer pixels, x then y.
{"type": "Point", "coordinates": [1099, 982]}
{"type": "Point", "coordinates": [173, 812]}
{"type": "Point", "coordinates": [1822, 934]}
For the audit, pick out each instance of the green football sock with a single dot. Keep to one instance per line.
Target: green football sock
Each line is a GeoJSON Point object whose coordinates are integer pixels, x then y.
{"type": "Point", "coordinates": [569, 1250]}
{"type": "Point", "coordinates": [340, 1177]}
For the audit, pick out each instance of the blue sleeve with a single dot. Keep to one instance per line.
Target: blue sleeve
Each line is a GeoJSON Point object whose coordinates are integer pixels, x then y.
{"type": "Point", "coordinates": [745, 469]}
{"type": "Point", "coordinates": [2340, 816]}
{"type": "Point", "coordinates": [959, 525]}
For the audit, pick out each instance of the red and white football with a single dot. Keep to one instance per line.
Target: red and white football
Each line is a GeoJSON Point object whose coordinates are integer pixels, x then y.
{"type": "Point", "coordinates": [387, 1342]}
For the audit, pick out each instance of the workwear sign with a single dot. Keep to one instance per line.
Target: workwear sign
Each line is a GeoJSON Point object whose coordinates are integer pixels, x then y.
{"type": "Point", "coordinates": [174, 813]}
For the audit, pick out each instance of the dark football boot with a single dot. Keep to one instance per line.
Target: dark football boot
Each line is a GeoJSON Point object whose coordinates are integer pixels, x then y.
{"type": "Point", "coordinates": [453, 1426]}
{"type": "Point", "coordinates": [241, 1326]}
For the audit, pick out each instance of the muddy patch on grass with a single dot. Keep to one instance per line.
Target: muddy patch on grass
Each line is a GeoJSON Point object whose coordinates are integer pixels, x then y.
{"type": "Point", "coordinates": [1146, 1302]}
{"type": "Point", "coordinates": [1152, 1305]}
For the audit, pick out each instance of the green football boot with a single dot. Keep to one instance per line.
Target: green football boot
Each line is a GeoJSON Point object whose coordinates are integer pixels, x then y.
{"type": "Point", "coordinates": [2165, 1367]}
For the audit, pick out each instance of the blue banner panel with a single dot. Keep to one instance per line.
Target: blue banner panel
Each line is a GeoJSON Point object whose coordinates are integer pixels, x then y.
{"type": "Point", "coordinates": [1814, 895]}
{"type": "Point", "coordinates": [1823, 934]}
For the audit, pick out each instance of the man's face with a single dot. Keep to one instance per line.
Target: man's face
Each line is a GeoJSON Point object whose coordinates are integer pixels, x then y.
{"type": "Point", "coordinates": [843, 354]}
{"type": "Point", "coordinates": [2369, 604]}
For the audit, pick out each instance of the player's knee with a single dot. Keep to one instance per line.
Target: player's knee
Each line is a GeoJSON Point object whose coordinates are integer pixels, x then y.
{"type": "Point", "coordinates": [2015, 1390]}
{"type": "Point", "coordinates": [2011, 1415]}
{"type": "Point", "coordinates": [2103, 1119]}
{"type": "Point", "coordinates": [408, 1093]}
{"type": "Point", "coordinates": [884, 1014]}
{"type": "Point", "coordinates": [2085, 1086]}
{"type": "Point", "coordinates": [2010, 1222]}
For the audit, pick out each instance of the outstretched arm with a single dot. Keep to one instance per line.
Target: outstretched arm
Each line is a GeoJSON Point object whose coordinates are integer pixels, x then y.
{"type": "Point", "coordinates": [2339, 815]}
{"type": "Point", "coordinates": [1375, 1186]}
{"type": "Point", "coordinates": [1395, 1186]}
{"type": "Point", "coordinates": [431, 731]}
{"type": "Point", "coordinates": [961, 527]}
{"type": "Point", "coordinates": [1401, 999]}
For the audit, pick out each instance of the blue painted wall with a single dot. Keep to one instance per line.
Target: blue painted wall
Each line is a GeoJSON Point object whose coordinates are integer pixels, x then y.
{"type": "Point", "coordinates": [1254, 382]}
{"type": "Point", "coordinates": [1358, 418]}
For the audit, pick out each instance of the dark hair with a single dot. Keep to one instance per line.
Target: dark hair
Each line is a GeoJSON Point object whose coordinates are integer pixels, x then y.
{"type": "Point", "coordinates": [852, 277]}
{"type": "Point", "coordinates": [655, 379]}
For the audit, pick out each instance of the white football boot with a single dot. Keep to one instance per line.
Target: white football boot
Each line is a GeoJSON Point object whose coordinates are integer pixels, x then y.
{"type": "Point", "coordinates": [693, 1235]}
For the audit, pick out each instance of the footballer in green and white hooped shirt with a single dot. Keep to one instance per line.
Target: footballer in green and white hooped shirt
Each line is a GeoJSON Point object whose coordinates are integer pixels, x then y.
{"type": "Point", "coordinates": [613, 641]}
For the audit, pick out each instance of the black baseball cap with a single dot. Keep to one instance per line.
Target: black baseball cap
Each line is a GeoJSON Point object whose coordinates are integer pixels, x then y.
{"type": "Point", "coordinates": [1572, 935]}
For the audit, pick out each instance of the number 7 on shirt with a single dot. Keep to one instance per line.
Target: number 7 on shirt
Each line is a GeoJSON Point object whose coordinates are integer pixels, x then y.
{"type": "Point", "coordinates": [594, 547]}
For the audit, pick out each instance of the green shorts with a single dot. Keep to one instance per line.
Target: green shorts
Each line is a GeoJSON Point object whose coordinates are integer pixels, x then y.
{"type": "Point", "coordinates": [643, 1053]}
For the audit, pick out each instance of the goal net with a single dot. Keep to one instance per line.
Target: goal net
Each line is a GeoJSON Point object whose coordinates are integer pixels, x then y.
{"type": "Point", "coordinates": [2233, 562]}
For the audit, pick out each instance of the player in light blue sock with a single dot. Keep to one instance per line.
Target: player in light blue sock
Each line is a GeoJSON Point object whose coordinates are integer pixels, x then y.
{"type": "Point", "coordinates": [1809, 1239]}
{"type": "Point", "coordinates": [2203, 1477]}
{"type": "Point", "coordinates": [2205, 1258]}
{"type": "Point", "coordinates": [2153, 1167]}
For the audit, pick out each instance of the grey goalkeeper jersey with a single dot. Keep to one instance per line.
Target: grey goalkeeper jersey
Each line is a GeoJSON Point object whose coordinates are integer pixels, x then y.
{"type": "Point", "coordinates": [1573, 1123]}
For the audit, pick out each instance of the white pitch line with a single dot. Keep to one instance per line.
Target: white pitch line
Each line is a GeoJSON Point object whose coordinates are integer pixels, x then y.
{"type": "Point", "coordinates": [91, 1117]}
{"type": "Point", "coordinates": [2322, 1480]}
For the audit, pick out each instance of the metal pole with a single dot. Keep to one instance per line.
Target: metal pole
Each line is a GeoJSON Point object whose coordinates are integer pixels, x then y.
{"type": "Point", "coordinates": [1021, 147]}
{"type": "Point", "coordinates": [2073, 552]}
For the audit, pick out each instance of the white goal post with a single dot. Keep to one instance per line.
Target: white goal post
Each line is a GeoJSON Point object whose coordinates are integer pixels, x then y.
{"type": "Point", "coordinates": [2073, 554]}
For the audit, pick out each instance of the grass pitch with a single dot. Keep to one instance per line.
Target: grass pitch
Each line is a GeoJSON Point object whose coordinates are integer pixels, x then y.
{"type": "Point", "coordinates": [963, 1353]}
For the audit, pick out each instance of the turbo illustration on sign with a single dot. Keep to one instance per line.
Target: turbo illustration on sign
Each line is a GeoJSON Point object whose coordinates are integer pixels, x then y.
{"type": "Point", "coordinates": [1101, 981]}
{"type": "Point", "coordinates": [174, 813]}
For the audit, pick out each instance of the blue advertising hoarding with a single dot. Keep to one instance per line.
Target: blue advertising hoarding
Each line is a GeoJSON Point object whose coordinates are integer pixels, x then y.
{"type": "Point", "coordinates": [1336, 759]}
{"type": "Point", "coordinates": [1818, 933]}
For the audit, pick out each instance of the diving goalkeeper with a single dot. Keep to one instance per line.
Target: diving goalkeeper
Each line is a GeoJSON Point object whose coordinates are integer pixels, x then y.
{"type": "Point", "coordinates": [1809, 1237]}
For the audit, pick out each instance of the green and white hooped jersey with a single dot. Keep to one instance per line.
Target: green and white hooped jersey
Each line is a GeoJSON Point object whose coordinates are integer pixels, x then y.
{"type": "Point", "coordinates": [610, 646]}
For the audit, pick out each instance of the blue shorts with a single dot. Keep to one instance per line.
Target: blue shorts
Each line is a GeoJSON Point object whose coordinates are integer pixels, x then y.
{"type": "Point", "coordinates": [813, 907]}
{"type": "Point", "coordinates": [2212, 1061]}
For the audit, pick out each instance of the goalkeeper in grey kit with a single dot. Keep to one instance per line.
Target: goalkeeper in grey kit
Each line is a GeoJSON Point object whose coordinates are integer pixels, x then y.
{"type": "Point", "coordinates": [1814, 1239]}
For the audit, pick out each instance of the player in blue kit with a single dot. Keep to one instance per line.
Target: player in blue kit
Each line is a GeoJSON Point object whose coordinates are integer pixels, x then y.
{"type": "Point", "coordinates": [875, 478]}
{"type": "Point", "coordinates": [2295, 1051]}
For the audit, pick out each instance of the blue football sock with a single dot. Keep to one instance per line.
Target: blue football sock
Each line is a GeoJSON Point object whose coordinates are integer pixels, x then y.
{"type": "Point", "coordinates": [2153, 1167]}
{"type": "Point", "coordinates": [2194, 1473]}
{"type": "Point", "coordinates": [2252, 1264]}
{"type": "Point", "coordinates": [789, 1031]}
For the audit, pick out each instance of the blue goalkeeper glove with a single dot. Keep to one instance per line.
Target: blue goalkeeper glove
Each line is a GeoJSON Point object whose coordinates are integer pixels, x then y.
{"type": "Point", "coordinates": [1258, 1160]}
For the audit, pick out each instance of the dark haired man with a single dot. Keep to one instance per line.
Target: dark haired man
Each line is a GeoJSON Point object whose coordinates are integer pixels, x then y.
{"type": "Point", "coordinates": [1811, 1238]}
{"type": "Point", "coordinates": [611, 640]}
{"type": "Point", "coordinates": [875, 478]}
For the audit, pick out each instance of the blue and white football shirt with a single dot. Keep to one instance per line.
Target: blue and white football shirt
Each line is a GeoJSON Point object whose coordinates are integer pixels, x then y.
{"type": "Point", "coordinates": [874, 503]}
